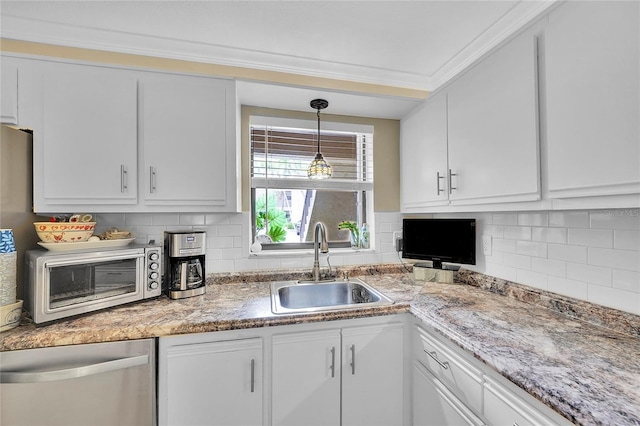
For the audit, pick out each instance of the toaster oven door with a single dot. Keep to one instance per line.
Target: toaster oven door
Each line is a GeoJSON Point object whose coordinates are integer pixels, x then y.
{"type": "Point", "coordinates": [72, 288]}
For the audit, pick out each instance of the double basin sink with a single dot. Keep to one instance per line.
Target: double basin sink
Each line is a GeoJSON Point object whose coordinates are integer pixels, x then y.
{"type": "Point", "coordinates": [290, 297]}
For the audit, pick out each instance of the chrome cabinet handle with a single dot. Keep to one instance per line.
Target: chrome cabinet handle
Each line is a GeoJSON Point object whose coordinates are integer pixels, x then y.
{"type": "Point", "coordinates": [434, 355]}
{"type": "Point", "coordinates": [253, 376]}
{"type": "Point", "coordinates": [438, 177]}
{"type": "Point", "coordinates": [353, 359]}
{"type": "Point", "coordinates": [333, 362]}
{"type": "Point", "coordinates": [451, 187]}
{"type": "Point", "coordinates": [124, 178]}
{"type": "Point", "coordinates": [72, 373]}
{"type": "Point", "coordinates": [152, 179]}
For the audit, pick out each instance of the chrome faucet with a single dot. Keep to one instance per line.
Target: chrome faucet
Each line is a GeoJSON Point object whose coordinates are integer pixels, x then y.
{"type": "Point", "coordinates": [322, 245]}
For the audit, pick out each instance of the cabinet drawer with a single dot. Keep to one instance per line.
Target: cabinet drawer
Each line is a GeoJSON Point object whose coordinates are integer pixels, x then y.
{"type": "Point", "coordinates": [503, 407]}
{"type": "Point", "coordinates": [463, 379]}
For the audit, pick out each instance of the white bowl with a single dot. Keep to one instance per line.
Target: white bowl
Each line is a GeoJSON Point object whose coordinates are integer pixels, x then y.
{"type": "Point", "coordinates": [64, 232]}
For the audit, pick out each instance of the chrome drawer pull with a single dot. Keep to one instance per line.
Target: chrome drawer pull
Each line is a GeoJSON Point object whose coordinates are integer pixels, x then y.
{"type": "Point", "coordinates": [438, 177]}
{"type": "Point", "coordinates": [253, 376]}
{"type": "Point", "coordinates": [353, 359]}
{"type": "Point", "coordinates": [434, 355]}
{"type": "Point", "coordinates": [333, 362]}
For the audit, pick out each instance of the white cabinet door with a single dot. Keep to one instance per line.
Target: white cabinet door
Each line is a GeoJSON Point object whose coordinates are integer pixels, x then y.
{"type": "Point", "coordinates": [435, 405]}
{"type": "Point", "coordinates": [503, 407]}
{"type": "Point", "coordinates": [87, 145]}
{"type": "Point", "coordinates": [9, 91]}
{"type": "Point", "coordinates": [372, 375]}
{"type": "Point", "coordinates": [423, 156]}
{"type": "Point", "coordinates": [593, 98]}
{"type": "Point", "coordinates": [216, 383]}
{"type": "Point", "coordinates": [187, 129]}
{"type": "Point", "coordinates": [493, 128]}
{"type": "Point", "coordinates": [306, 378]}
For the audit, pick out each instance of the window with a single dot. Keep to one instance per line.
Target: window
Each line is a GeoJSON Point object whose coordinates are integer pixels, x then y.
{"type": "Point", "coordinates": [286, 204]}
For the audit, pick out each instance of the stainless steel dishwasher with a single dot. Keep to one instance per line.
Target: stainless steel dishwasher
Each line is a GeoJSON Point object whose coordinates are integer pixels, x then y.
{"type": "Point", "coordinates": [94, 384]}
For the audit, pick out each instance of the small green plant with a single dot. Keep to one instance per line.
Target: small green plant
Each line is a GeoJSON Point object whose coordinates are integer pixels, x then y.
{"type": "Point", "coordinates": [273, 217]}
{"type": "Point", "coordinates": [353, 229]}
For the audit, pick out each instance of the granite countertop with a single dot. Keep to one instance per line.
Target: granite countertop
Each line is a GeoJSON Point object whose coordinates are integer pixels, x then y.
{"type": "Point", "coordinates": [580, 359]}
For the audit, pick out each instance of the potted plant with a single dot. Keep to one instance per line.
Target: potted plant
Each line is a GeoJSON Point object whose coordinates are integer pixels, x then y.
{"type": "Point", "coordinates": [354, 234]}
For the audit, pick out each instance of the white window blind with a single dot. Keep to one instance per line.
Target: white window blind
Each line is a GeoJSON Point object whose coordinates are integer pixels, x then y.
{"type": "Point", "coordinates": [280, 157]}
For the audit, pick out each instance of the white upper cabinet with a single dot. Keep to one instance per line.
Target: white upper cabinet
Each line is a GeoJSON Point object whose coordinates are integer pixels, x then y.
{"type": "Point", "coordinates": [423, 155]}
{"type": "Point", "coordinates": [593, 99]}
{"type": "Point", "coordinates": [9, 91]}
{"type": "Point", "coordinates": [116, 140]}
{"type": "Point", "coordinates": [187, 132]}
{"type": "Point", "coordinates": [86, 148]}
{"type": "Point", "coordinates": [493, 128]}
{"type": "Point", "coordinates": [475, 142]}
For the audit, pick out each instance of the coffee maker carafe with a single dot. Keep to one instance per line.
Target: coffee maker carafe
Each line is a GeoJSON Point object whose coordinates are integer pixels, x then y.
{"type": "Point", "coordinates": [184, 263]}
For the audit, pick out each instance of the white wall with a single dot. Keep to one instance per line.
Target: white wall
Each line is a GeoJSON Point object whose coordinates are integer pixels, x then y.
{"type": "Point", "coordinates": [589, 255]}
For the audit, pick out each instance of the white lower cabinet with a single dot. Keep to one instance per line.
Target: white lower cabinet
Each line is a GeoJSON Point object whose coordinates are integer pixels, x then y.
{"type": "Point", "coordinates": [434, 404]}
{"type": "Point", "coordinates": [210, 383]}
{"type": "Point", "coordinates": [347, 376]}
{"type": "Point", "coordinates": [450, 387]}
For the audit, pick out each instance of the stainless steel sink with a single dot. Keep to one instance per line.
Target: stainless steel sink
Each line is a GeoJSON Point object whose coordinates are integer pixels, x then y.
{"type": "Point", "coordinates": [290, 297]}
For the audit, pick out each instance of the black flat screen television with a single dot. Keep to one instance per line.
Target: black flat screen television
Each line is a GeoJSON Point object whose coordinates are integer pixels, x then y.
{"type": "Point", "coordinates": [439, 240]}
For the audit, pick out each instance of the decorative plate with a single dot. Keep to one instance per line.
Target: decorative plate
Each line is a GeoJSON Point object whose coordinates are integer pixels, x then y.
{"type": "Point", "coordinates": [83, 245]}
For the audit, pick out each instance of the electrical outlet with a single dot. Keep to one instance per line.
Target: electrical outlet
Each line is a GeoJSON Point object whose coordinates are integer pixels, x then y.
{"type": "Point", "coordinates": [397, 241]}
{"type": "Point", "coordinates": [486, 245]}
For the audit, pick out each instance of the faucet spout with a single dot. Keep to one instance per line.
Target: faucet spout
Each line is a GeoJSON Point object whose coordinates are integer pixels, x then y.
{"type": "Point", "coordinates": [321, 244]}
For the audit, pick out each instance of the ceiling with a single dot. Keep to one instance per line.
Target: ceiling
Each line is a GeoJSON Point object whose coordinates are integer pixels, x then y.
{"type": "Point", "coordinates": [416, 45]}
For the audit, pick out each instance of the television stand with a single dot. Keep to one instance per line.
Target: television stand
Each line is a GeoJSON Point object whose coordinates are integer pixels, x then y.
{"type": "Point", "coordinates": [423, 272]}
{"type": "Point", "coordinates": [437, 265]}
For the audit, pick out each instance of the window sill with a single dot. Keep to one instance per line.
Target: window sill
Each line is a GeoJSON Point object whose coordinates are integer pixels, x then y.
{"type": "Point", "coordinates": [305, 252]}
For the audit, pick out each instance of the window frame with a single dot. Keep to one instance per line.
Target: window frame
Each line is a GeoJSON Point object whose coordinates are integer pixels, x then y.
{"type": "Point", "coordinates": [362, 188]}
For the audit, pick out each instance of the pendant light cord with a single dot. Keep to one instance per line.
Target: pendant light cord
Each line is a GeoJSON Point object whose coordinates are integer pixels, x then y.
{"type": "Point", "coordinates": [318, 130]}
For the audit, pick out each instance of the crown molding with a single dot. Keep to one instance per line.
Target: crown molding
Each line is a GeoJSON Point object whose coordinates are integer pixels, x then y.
{"type": "Point", "coordinates": [524, 13]}
{"type": "Point", "coordinates": [39, 31]}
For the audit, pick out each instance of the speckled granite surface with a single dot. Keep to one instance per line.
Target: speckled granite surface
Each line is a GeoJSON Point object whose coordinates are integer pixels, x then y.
{"type": "Point", "coordinates": [582, 360]}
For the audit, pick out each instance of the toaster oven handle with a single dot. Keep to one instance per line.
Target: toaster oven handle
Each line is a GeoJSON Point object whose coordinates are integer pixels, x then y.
{"type": "Point", "coordinates": [83, 260]}
{"type": "Point", "coordinates": [72, 373]}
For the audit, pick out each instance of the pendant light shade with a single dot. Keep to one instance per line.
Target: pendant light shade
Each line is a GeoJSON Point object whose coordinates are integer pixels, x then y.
{"type": "Point", "coordinates": [319, 168]}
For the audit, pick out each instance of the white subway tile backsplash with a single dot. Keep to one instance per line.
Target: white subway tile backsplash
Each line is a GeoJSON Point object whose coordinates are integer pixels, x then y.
{"type": "Point", "coordinates": [165, 219]}
{"type": "Point", "coordinates": [517, 261]}
{"type": "Point", "coordinates": [503, 271]}
{"type": "Point", "coordinates": [549, 267]}
{"type": "Point", "coordinates": [590, 274]}
{"type": "Point", "coordinates": [626, 240]}
{"type": "Point", "coordinates": [591, 237]}
{"type": "Point", "coordinates": [496, 231]}
{"type": "Point", "coordinates": [616, 219]}
{"type": "Point", "coordinates": [569, 219]}
{"type": "Point", "coordinates": [504, 219]}
{"type": "Point", "coordinates": [571, 288]}
{"type": "Point", "coordinates": [531, 248]}
{"type": "Point", "coordinates": [533, 279]}
{"type": "Point", "coordinates": [615, 298]}
{"type": "Point", "coordinates": [517, 232]}
{"type": "Point", "coordinates": [568, 253]}
{"type": "Point", "coordinates": [229, 230]}
{"type": "Point", "coordinates": [192, 219]}
{"type": "Point", "coordinates": [502, 245]}
{"type": "Point", "coordinates": [549, 235]}
{"type": "Point", "coordinates": [626, 280]}
{"type": "Point", "coordinates": [533, 219]}
{"type": "Point", "coordinates": [216, 219]}
{"type": "Point", "coordinates": [618, 259]}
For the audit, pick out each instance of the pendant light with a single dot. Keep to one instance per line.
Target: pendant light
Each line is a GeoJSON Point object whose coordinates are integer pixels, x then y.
{"type": "Point", "coordinates": [319, 168]}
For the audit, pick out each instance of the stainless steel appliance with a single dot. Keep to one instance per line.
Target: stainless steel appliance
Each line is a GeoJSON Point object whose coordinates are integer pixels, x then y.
{"type": "Point", "coordinates": [95, 384]}
{"type": "Point", "coordinates": [184, 263]}
{"type": "Point", "coordinates": [63, 284]}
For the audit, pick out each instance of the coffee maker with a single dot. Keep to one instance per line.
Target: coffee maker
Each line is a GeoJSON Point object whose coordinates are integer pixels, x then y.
{"type": "Point", "coordinates": [184, 253]}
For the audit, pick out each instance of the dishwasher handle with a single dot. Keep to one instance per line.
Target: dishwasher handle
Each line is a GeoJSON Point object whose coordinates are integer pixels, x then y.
{"type": "Point", "coordinates": [72, 373]}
